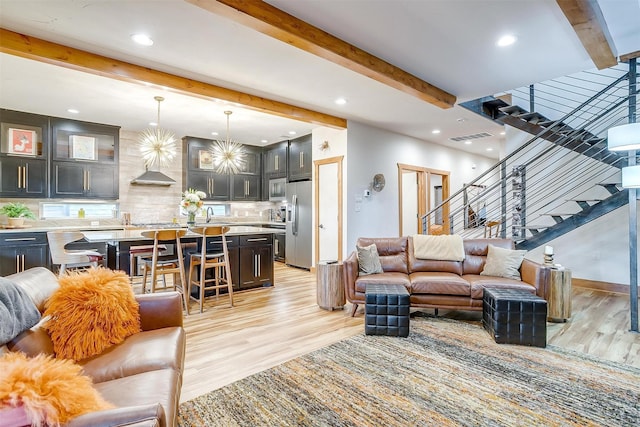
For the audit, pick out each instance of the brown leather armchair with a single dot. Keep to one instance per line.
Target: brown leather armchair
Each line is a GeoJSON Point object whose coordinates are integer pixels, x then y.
{"type": "Point", "coordinates": [141, 376]}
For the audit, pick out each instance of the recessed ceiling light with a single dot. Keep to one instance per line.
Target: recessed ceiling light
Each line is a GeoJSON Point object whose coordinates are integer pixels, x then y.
{"type": "Point", "coordinates": [292, 132]}
{"type": "Point", "coordinates": [506, 40]}
{"type": "Point", "coordinates": [435, 131]}
{"type": "Point", "coordinates": [503, 133]}
{"type": "Point", "coordinates": [153, 124]}
{"type": "Point", "coordinates": [340, 101]}
{"type": "Point", "coordinates": [489, 149]}
{"type": "Point", "coordinates": [468, 142]}
{"type": "Point", "coordinates": [142, 39]}
{"type": "Point", "coordinates": [264, 141]}
{"type": "Point", "coordinates": [73, 111]}
{"type": "Point", "coordinates": [214, 133]}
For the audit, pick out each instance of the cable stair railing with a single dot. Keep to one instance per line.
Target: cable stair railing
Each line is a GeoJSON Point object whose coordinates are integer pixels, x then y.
{"type": "Point", "coordinates": [560, 178]}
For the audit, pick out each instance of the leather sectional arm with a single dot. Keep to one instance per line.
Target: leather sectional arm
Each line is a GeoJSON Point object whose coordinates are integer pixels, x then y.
{"type": "Point", "coordinates": [160, 310]}
{"type": "Point", "coordinates": [350, 272]}
{"type": "Point", "coordinates": [151, 414]}
{"type": "Point", "coordinates": [533, 274]}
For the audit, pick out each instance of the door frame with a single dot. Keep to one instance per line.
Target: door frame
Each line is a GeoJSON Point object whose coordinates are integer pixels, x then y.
{"type": "Point", "coordinates": [424, 193]}
{"type": "Point", "coordinates": [317, 163]}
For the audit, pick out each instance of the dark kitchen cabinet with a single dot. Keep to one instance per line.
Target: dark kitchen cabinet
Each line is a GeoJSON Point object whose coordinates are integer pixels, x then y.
{"type": "Point", "coordinates": [252, 161]}
{"type": "Point", "coordinates": [256, 266]}
{"type": "Point", "coordinates": [22, 251]}
{"type": "Point", "coordinates": [198, 172]}
{"type": "Point", "coordinates": [300, 164]}
{"type": "Point", "coordinates": [215, 185]}
{"type": "Point", "coordinates": [84, 181]}
{"type": "Point", "coordinates": [275, 160]}
{"type": "Point", "coordinates": [245, 187]}
{"type": "Point", "coordinates": [24, 148]}
{"type": "Point", "coordinates": [23, 177]}
{"type": "Point", "coordinates": [84, 160]}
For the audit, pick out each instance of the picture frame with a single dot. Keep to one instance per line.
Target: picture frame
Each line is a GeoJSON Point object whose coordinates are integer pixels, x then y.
{"type": "Point", "coordinates": [22, 141]}
{"type": "Point", "coordinates": [205, 159]}
{"type": "Point", "coordinates": [82, 147]}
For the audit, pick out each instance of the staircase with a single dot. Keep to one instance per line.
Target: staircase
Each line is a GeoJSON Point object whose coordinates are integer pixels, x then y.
{"type": "Point", "coordinates": [562, 176]}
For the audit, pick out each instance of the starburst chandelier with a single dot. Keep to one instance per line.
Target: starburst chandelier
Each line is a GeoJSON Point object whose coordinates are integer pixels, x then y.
{"type": "Point", "coordinates": [157, 145]}
{"type": "Point", "coordinates": [228, 156]}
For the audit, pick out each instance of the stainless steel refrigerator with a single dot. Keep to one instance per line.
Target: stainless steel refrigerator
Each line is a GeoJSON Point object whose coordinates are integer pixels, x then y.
{"type": "Point", "coordinates": [298, 240]}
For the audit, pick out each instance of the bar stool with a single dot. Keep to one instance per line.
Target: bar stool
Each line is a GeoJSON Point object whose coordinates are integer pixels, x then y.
{"type": "Point", "coordinates": [68, 258]}
{"type": "Point", "coordinates": [217, 259]}
{"type": "Point", "coordinates": [165, 264]}
{"type": "Point", "coordinates": [135, 252]}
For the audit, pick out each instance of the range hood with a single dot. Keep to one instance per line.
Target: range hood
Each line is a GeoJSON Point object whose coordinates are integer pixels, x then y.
{"type": "Point", "coordinates": [153, 178]}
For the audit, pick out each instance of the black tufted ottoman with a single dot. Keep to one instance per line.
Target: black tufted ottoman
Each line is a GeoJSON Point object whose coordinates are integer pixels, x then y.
{"type": "Point", "coordinates": [515, 317]}
{"type": "Point", "coordinates": [386, 310]}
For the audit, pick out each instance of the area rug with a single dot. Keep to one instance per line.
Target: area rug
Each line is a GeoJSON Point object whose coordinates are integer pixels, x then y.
{"type": "Point", "coordinates": [446, 373]}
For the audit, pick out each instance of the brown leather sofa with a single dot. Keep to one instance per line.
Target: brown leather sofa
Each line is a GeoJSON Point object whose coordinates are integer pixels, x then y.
{"type": "Point", "coordinates": [142, 376]}
{"type": "Point", "coordinates": [455, 285]}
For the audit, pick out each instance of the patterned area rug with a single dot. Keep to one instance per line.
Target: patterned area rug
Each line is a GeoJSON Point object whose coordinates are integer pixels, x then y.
{"type": "Point", "coordinates": [446, 373]}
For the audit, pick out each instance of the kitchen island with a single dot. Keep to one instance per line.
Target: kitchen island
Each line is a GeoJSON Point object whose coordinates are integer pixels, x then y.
{"type": "Point", "coordinates": [250, 251]}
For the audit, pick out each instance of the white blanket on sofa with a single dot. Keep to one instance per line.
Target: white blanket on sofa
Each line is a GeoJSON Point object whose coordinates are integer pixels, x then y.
{"type": "Point", "coordinates": [442, 248]}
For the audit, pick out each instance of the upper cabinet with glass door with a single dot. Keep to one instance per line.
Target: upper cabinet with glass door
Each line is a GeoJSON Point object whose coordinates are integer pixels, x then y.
{"type": "Point", "coordinates": [24, 146]}
{"type": "Point", "coordinates": [84, 159]}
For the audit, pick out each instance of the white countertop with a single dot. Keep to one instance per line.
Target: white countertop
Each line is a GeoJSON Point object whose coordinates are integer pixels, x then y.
{"type": "Point", "coordinates": [135, 233]}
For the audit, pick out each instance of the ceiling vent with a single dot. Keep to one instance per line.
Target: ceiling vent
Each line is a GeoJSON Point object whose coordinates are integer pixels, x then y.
{"type": "Point", "coordinates": [468, 137]}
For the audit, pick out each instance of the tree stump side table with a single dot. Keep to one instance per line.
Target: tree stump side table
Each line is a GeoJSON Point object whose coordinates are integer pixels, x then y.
{"type": "Point", "coordinates": [558, 294]}
{"type": "Point", "coordinates": [330, 285]}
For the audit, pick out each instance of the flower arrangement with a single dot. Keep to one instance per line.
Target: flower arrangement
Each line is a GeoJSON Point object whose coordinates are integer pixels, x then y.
{"type": "Point", "coordinates": [192, 203]}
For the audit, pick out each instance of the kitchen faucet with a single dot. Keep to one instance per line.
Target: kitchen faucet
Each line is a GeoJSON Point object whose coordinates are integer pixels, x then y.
{"type": "Point", "coordinates": [209, 214]}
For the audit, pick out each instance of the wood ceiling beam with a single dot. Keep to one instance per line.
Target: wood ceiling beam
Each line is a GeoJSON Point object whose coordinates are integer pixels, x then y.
{"type": "Point", "coordinates": [629, 56]}
{"type": "Point", "coordinates": [587, 21]}
{"type": "Point", "coordinates": [278, 24]}
{"type": "Point", "coordinates": [64, 56]}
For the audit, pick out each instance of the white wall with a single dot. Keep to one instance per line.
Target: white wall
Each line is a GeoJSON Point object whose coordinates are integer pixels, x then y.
{"type": "Point", "coordinates": [372, 150]}
{"type": "Point", "coordinates": [337, 146]}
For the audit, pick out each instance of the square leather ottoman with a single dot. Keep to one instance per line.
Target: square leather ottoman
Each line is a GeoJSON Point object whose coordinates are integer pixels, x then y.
{"type": "Point", "coordinates": [386, 310]}
{"type": "Point", "coordinates": [515, 317]}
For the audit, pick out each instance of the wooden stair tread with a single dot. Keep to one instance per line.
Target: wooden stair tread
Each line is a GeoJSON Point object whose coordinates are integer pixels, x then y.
{"type": "Point", "coordinates": [513, 110]}
{"type": "Point", "coordinates": [533, 117]}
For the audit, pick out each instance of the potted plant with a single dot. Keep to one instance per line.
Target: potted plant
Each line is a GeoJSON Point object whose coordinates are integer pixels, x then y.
{"type": "Point", "coordinates": [16, 212]}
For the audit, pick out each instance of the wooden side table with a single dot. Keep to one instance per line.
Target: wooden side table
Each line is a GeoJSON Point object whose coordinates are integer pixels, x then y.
{"type": "Point", "coordinates": [558, 294]}
{"type": "Point", "coordinates": [330, 285]}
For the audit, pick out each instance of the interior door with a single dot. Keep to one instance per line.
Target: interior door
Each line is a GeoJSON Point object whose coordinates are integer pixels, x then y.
{"type": "Point", "coordinates": [328, 209]}
{"type": "Point", "coordinates": [410, 198]}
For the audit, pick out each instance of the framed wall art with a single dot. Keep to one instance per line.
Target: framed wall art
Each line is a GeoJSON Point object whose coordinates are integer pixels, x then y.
{"type": "Point", "coordinates": [22, 141]}
{"type": "Point", "coordinates": [82, 147]}
{"type": "Point", "coordinates": [205, 159]}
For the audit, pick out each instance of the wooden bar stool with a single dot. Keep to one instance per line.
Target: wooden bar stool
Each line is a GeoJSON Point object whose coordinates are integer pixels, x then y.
{"type": "Point", "coordinates": [136, 252]}
{"type": "Point", "coordinates": [218, 260]}
{"type": "Point", "coordinates": [165, 264]}
{"type": "Point", "coordinates": [68, 258]}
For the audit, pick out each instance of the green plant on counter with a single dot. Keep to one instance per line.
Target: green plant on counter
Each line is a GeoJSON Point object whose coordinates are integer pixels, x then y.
{"type": "Point", "coordinates": [17, 210]}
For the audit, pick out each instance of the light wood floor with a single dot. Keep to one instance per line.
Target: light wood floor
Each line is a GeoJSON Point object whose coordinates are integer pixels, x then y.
{"type": "Point", "coordinates": [272, 325]}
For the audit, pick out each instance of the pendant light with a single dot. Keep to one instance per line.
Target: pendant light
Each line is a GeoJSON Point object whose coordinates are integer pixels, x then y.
{"type": "Point", "coordinates": [158, 148]}
{"type": "Point", "coordinates": [157, 145]}
{"type": "Point", "coordinates": [626, 138]}
{"type": "Point", "coordinates": [228, 156]}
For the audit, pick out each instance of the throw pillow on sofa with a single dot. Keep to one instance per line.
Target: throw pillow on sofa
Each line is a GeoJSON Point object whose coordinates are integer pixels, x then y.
{"type": "Point", "coordinates": [368, 260]}
{"type": "Point", "coordinates": [49, 391]}
{"type": "Point", "coordinates": [91, 311]}
{"type": "Point", "coordinates": [502, 262]}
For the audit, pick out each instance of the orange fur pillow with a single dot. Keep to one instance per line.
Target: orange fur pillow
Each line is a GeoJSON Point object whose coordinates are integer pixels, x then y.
{"type": "Point", "coordinates": [51, 391]}
{"type": "Point", "coordinates": [91, 311]}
